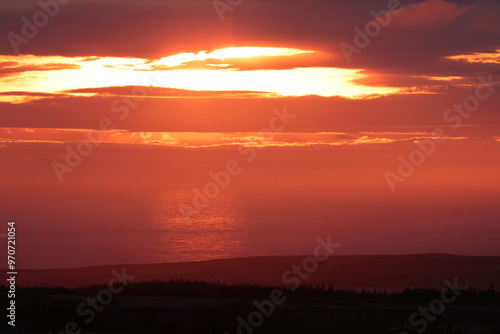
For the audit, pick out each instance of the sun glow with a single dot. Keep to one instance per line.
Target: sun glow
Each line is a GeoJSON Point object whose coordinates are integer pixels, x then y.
{"type": "Point", "coordinates": [232, 52]}
{"type": "Point", "coordinates": [54, 75]}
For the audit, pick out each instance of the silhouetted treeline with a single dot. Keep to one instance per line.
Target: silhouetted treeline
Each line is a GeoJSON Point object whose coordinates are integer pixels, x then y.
{"type": "Point", "coordinates": [308, 309]}
{"type": "Point", "coordinates": [307, 292]}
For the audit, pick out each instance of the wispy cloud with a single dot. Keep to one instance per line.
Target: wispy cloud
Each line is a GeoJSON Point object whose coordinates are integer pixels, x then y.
{"type": "Point", "coordinates": [478, 57]}
{"type": "Point", "coordinates": [199, 140]}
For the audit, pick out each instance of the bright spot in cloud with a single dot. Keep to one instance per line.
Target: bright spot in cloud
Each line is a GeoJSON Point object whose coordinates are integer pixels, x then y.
{"type": "Point", "coordinates": [111, 71]}
{"type": "Point", "coordinates": [478, 57]}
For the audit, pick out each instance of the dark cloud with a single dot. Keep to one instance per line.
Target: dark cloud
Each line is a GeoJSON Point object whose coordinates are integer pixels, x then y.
{"type": "Point", "coordinates": [415, 42]}
{"type": "Point", "coordinates": [140, 91]}
{"type": "Point", "coordinates": [30, 94]}
{"type": "Point", "coordinates": [12, 68]}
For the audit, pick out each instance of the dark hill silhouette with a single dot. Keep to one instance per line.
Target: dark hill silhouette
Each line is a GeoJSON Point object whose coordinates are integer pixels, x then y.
{"type": "Point", "coordinates": [391, 272]}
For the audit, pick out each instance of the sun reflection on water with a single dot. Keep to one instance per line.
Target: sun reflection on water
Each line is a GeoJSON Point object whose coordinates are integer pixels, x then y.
{"type": "Point", "coordinates": [215, 232]}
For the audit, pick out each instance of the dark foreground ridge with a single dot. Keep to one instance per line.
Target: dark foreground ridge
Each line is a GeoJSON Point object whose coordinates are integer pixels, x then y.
{"type": "Point", "coordinates": [180, 306]}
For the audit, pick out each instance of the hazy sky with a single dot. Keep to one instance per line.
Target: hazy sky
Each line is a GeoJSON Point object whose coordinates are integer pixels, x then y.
{"type": "Point", "coordinates": [398, 108]}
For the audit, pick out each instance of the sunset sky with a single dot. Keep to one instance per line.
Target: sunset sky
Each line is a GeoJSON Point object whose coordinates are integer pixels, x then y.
{"type": "Point", "coordinates": [318, 102]}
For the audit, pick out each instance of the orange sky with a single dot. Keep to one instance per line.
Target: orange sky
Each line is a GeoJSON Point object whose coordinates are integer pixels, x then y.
{"type": "Point", "coordinates": [173, 93]}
